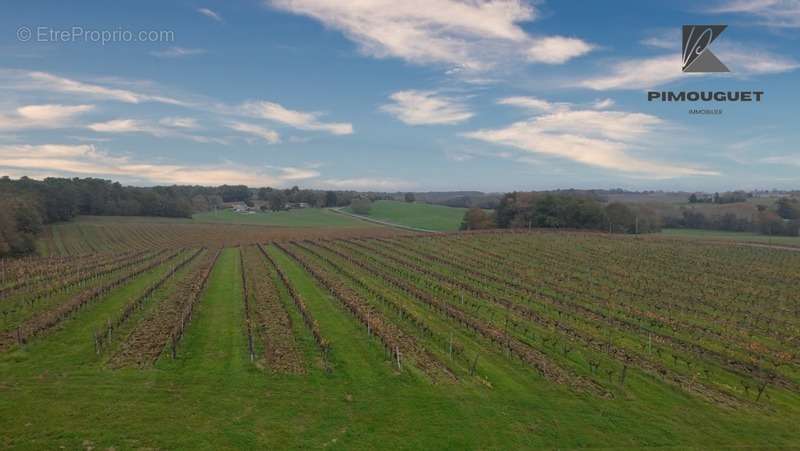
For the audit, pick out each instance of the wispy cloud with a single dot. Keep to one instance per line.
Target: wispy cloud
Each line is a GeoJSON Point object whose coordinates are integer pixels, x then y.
{"type": "Point", "coordinates": [603, 104]}
{"type": "Point", "coordinates": [128, 126]}
{"type": "Point", "coordinates": [596, 138]}
{"type": "Point", "coordinates": [42, 116]}
{"type": "Point", "coordinates": [793, 160]}
{"type": "Point", "coordinates": [179, 122]}
{"type": "Point", "coordinates": [774, 13]}
{"type": "Point", "coordinates": [47, 82]}
{"type": "Point", "coordinates": [292, 173]}
{"type": "Point", "coordinates": [470, 35]}
{"type": "Point", "coordinates": [532, 103]}
{"type": "Point", "coordinates": [210, 14]}
{"type": "Point", "coordinates": [668, 41]}
{"type": "Point", "coordinates": [537, 105]}
{"type": "Point", "coordinates": [177, 52]}
{"type": "Point", "coordinates": [122, 126]}
{"type": "Point", "coordinates": [366, 184]}
{"type": "Point", "coordinates": [426, 108]}
{"type": "Point", "coordinates": [637, 74]}
{"type": "Point", "coordinates": [88, 160]}
{"type": "Point", "coordinates": [298, 119]}
{"type": "Point", "coordinates": [747, 61]}
{"type": "Point", "coordinates": [270, 136]}
{"type": "Point", "coordinates": [42, 82]}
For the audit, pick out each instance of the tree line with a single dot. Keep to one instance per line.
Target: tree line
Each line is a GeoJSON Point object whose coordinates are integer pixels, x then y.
{"type": "Point", "coordinates": [279, 199]}
{"type": "Point", "coordinates": [781, 220]}
{"type": "Point", "coordinates": [565, 211]}
{"type": "Point", "coordinates": [27, 205]}
{"type": "Point", "coordinates": [731, 197]}
{"type": "Point", "coordinates": [587, 210]}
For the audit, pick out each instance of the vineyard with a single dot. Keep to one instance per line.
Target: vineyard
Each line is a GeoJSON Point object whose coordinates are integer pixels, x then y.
{"type": "Point", "coordinates": [81, 238]}
{"type": "Point", "coordinates": [364, 337]}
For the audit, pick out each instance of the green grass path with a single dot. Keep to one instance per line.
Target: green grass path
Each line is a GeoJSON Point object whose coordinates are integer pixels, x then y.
{"type": "Point", "coordinates": [354, 357]}
{"type": "Point", "coordinates": [215, 343]}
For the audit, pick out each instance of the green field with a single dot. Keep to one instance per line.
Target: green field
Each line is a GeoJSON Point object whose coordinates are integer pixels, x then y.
{"type": "Point", "coordinates": [730, 236]}
{"type": "Point", "coordinates": [518, 340]}
{"type": "Point", "coordinates": [418, 215]}
{"type": "Point", "coordinates": [305, 217]}
{"type": "Point", "coordinates": [57, 392]}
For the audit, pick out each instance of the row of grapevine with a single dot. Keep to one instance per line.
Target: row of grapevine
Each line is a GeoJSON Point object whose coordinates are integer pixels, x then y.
{"type": "Point", "coordinates": [267, 321]}
{"type": "Point", "coordinates": [322, 343]}
{"type": "Point", "coordinates": [138, 302]}
{"type": "Point", "coordinates": [52, 317]}
{"type": "Point", "coordinates": [397, 343]}
{"type": "Point", "coordinates": [165, 324]}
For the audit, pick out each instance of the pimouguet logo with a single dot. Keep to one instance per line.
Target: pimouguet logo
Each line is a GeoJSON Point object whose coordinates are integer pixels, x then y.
{"type": "Point", "coordinates": [696, 55]}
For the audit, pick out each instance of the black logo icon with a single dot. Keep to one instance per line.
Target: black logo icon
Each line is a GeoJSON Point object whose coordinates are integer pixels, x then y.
{"type": "Point", "coordinates": [696, 55]}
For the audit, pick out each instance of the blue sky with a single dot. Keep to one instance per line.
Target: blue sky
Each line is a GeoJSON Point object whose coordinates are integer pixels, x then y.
{"type": "Point", "coordinates": [491, 95]}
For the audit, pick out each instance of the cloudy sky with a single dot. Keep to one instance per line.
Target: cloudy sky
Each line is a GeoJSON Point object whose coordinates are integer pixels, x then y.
{"type": "Point", "coordinates": [490, 95]}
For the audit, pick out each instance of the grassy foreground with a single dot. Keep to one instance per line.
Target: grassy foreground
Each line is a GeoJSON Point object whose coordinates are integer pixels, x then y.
{"type": "Point", "coordinates": [419, 215]}
{"type": "Point", "coordinates": [56, 392]}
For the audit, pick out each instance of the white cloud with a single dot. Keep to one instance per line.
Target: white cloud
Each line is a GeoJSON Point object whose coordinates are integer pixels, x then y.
{"type": "Point", "coordinates": [179, 122]}
{"type": "Point", "coordinates": [366, 184]}
{"type": "Point", "coordinates": [603, 104]}
{"type": "Point", "coordinates": [290, 173]}
{"type": "Point", "coordinates": [297, 119]}
{"type": "Point", "coordinates": [775, 13]}
{"type": "Point", "coordinates": [557, 49]}
{"type": "Point", "coordinates": [597, 138]}
{"type": "Point", "coordinates": [461, 154]}
{"type": "Point", "coordinates": [177, 52]}
{"type": "Point", "coordinates": [473, 35]}
{"type": "Point", "coordinates": [42, 116]}
{"type": "Point", "coordinates": [121, 126]}
{"type": "Point", "coordinates": [535, 104]}
{"type": "Point", "coordinates": [126, 126]}
{"type": "Point", "coordinates": [746, 61]}
{"type": "Point", "coordinates": [87, 160]}
{"type": "Point", "coordinates": [46, 82]}
{"type": "Point", "coordinates": [52, 112]}
{"type": "Point", "coordinates": [668, 41]}
{"type": "Point", "coordinates": [89, 139]}
{"type": "Point", "coordinates": [532, 103]}
{"type": "Point", "coordinates": [270, 136]}
{"type": "Point", "coordinates": [426, 108]}
{"type": "Point", "coordinates": [43, 82]}
{"type": "Point", "coordinates": [638, 74]}
{"type": "Point", "coordinates": [210, 14]}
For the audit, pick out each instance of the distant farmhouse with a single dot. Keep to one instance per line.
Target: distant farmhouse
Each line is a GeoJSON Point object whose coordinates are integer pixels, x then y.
{"type": "Point", "coordinates": [241, 207]}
